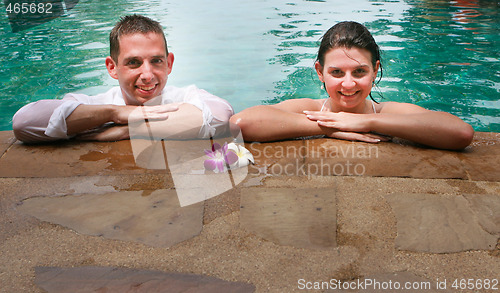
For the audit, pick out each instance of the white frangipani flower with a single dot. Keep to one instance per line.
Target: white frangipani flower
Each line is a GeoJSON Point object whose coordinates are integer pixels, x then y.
{"type": "Point", "coordinates": [244, 155]}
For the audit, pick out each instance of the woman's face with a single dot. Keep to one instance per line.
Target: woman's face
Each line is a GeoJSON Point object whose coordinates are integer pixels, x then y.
{"type": "Point", "coordinates": [348, 75]}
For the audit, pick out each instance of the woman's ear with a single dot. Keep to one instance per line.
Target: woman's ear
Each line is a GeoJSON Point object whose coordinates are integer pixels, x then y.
{"type": "Point", "coordinates": [319, 70]}
{"type": "Point", "coordinates": [377, 66]}
{"type": "Point", "coordinates": [111, 66]}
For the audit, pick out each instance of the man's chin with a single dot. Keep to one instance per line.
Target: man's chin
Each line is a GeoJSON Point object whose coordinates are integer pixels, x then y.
{"type": "Point", "coordinates": [150, 100]}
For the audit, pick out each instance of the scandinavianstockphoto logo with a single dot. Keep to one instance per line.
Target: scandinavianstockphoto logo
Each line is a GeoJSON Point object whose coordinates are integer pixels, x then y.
{"type": "Point", "coordinates": [345, 158]}
{"type": "Point", "coordinates": [200, 168]}
{"type": "Point", "coordinates": [25, 14]}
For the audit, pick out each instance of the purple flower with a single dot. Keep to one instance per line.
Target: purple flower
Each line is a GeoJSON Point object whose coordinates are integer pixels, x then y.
{"type": "Point", "coordinates": [219, 158]}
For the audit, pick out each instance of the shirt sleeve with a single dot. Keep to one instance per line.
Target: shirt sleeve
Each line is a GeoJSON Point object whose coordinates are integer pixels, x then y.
{"type": "Point", "coordinates": [42, 121]}
{"type": "Point", "coordinates": [220, 111]}
{"type": "Point", "coordinates": [45, 120]}
{"type": "Point", "coordinates": [216, 111]}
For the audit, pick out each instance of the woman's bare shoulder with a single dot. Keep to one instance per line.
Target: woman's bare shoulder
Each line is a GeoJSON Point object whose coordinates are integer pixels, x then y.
{"type": "Point", "coordinates": [400, 108]}
{"type": "Point", "coordinates": [300, 105]}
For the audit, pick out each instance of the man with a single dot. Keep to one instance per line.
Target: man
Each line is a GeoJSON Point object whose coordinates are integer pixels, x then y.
{"type": "Point", "coordinates": [140, 61]}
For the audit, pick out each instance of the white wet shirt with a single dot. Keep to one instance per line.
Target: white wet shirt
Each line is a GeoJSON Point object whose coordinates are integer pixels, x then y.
{"type": "Point", "coordinates": [45, 120]}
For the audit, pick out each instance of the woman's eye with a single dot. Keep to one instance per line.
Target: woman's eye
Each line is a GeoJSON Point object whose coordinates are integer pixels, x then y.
{"type": "Point", "coordinates": [359, 72]}
{"type": "Point", "coordinates": [336, 73]}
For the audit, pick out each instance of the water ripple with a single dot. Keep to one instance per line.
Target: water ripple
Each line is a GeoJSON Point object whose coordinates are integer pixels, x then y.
{"type": "Point", "coordinates": [439, 54]}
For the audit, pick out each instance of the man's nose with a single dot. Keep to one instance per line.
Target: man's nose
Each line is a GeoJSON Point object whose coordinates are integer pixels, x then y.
{"type": "Point", "coordinates": [147, 72]}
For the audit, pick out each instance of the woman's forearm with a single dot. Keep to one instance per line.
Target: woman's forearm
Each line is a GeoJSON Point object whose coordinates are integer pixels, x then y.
{"type": "Point", "coordinates": [266, 123]}
{"type": "Point", "coordinates": [436, 129]}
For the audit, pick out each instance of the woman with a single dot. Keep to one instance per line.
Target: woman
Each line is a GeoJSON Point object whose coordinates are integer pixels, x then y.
{"type": "Point", "coordinates": [347, 65]}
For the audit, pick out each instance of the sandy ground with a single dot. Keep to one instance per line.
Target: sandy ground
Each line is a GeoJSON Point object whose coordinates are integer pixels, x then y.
{"type": "Point", "coordinates": [365, 235]}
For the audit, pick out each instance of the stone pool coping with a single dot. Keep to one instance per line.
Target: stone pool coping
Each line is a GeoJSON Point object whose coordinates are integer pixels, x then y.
{"type": "Point", "coordinates": [273, 229]}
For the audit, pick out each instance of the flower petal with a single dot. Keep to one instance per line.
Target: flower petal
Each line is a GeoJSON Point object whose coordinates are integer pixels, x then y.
{"type": "Point", "coordinates": [210, 153]}
{"type": "Point", "coordinates": [242, 162]}
{"type": "Point", "coordinates": [216, 147]}
{"type": "Point", "coordinates": [209, 164]}
{"type": "Point", "coordinates": [246, 154]}
{"type": "Point", "coordinates": [220, 166]}
{"type": "Point", "coordinates": [231, 157]}
{"type": "Point", "coordinates": [233, 147]}
{"type": "Point", "coordinates": [224, 148]}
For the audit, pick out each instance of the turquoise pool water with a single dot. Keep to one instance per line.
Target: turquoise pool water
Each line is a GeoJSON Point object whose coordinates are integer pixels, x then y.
{"type": "Point", "coordinates": [442, 55]}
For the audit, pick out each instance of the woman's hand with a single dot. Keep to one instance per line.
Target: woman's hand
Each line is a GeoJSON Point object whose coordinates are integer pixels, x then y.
{"type": "Point", "coordinates": [342, 121]}
{"type": "Point", "coordinates": [355, 136]}
{"type": "Point", "coordinates": [346, 126]}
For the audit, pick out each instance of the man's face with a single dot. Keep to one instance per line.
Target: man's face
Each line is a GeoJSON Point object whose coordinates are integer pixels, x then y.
{"type": "Point", "coordinates": [142, 68]}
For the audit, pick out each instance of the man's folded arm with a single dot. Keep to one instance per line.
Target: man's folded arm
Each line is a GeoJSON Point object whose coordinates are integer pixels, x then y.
{"type": "Point", "coordinates": [43, 121]}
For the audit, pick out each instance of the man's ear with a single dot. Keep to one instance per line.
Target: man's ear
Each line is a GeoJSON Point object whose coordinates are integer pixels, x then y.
{"type": "Point", "coordinates": [319, 70]}
{"type": "Point", "coordinates": [111, 66]}
{"type": "Point", "coordinates": [170, 62]}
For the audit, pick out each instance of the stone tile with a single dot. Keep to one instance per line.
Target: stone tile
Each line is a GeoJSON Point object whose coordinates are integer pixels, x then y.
{"type": "Point", "coordinates": [74, 158]}
{"type": "Point", "coordinates": [109, 279]}
{"type": "Point", "coordinates": [22, 188]}
{"type": "Point", "coordinates": [278, 158]}
{"type": "Point", "coordinates": [154, 219]}
{"type": "Point", "coordinates": [291, 216]}
{"type": "Point", "coordinates": [392, 282]}
{"type": "Point", "coordinates": [71, 158]}
{"type": "Point", "coordinates": [159, 154]}
{"type": "Point", "coordinates": [481, 159]}
{"type": "Point", "coordinates": [221, 205]}
{"type": "Point", "coordinates": [185, 160]}
{"type": "Point", "coordinates": [437, 224]}
{"type": "Point", "coordinates": [6, 140]}
{"type": "Point", "coordinates": [15, 190]}
{"type": "Point", "coordinates": [487, 209]}
{"type": "Point", "coordinates": [327, 157]}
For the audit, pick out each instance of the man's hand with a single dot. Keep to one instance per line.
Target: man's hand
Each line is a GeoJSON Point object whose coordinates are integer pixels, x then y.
{"type": "Point", "coordinates": [86, 117]}
{"type": "Point", "coordinates": [127, 114]}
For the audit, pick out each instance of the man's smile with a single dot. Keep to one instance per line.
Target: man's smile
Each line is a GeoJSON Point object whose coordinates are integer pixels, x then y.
{"type": "Point", "coordinates": [146, 88]}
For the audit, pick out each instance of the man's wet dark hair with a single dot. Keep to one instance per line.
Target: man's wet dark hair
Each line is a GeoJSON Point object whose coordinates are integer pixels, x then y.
{"type": "Point", "coordinates": [132, 24]}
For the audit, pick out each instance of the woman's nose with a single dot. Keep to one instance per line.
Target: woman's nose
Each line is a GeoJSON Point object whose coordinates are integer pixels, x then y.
{"type": "Point", "coordinates": [348, 81]}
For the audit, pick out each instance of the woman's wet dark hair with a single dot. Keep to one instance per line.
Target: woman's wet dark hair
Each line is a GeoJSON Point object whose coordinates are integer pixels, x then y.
{"type": "Point", "coordinates": [348, 34]}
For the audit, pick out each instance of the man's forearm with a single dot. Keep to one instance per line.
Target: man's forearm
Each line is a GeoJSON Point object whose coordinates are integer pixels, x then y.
{"type": "Point", "coordinates": [86, 117]}
{"type": "Point", "coordinates": [166, 121]}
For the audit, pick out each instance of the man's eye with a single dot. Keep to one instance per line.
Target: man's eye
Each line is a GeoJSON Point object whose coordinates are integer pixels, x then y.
{"type": "Point", "coordinates": [157, 61]}
{"type": "Point", "coordinates": [133, 63]}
